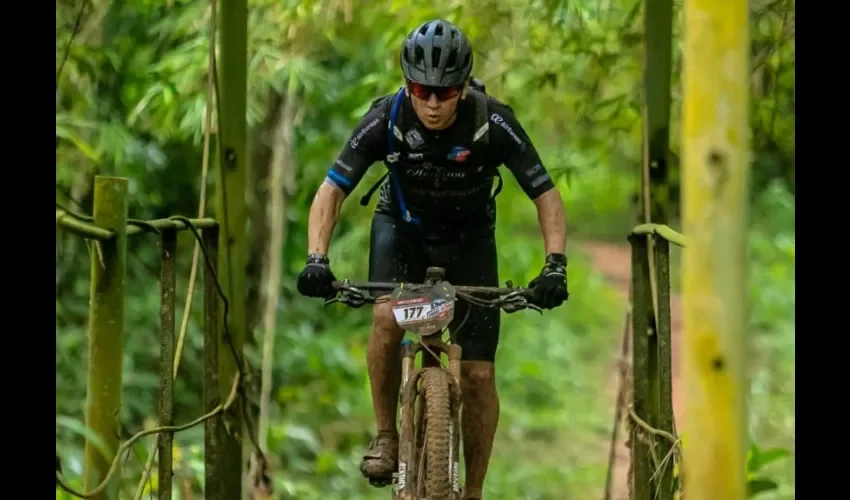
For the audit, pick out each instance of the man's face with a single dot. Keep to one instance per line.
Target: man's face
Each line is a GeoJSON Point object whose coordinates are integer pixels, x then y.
{"type": "Point", "coordinates": [435, 106]}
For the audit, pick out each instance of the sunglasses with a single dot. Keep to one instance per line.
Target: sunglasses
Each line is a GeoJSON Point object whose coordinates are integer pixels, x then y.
{"type": "Point", "coordinates": [424, 91]}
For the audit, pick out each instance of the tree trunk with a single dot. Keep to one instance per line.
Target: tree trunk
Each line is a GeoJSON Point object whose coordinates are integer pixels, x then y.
{"type": "Point", "coordinates": [281, 164]}
{"type": "Point", "coordinates": [262, 152]}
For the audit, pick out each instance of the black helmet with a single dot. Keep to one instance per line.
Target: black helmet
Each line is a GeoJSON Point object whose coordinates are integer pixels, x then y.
{"type": "Point", "coordinates": [437, 53]}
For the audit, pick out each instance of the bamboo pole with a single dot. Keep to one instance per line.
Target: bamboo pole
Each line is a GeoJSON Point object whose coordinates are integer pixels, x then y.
{"type": "Point", "coordinates": [212, 322]}
{"type": "Point", "coordinates": [662, 231]}
{"type": "Point", "coordinates": [105, 332]}
{"type": "Point", "coordinates": [166, 224]}
{"type": "Point", "coordinates": [666, 418]}
{"type": "Point", "coordinates": [166, 361]}
{"type": "Point", "coordinates": [715, 191]}
{"type": "Point", "coordinates": [642, 487]}
{"type": "Point", "coordinates": [658, 32]}
{"type": "Point", "coordinates": [68, 222]}
{"type": "Point", "coordinates": [74, 224]}
{"type": "Point", "coordinates": [232, 99]}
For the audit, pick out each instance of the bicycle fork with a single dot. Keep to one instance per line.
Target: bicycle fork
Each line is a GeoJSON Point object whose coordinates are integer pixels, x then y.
{"type": "Point", "coordinates": [407, 474]}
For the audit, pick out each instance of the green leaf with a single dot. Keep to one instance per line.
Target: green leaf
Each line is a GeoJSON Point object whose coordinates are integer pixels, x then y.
{"type": "Point", "coordinates": [760, 485]}
{"type": "Point", "coordinates": [65, 133]}
{"type": "Point", "coordinates": [78, 427]}
{"type": "Point", "coordinates": [759, 459]}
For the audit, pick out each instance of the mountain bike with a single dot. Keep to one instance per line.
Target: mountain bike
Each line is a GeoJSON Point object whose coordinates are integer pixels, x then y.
{"type": "Point", "coordinates": [430, 397]}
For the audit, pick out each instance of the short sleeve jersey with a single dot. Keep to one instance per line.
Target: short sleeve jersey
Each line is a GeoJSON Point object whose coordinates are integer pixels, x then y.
{"type": "Point", "coordinates": [444, 180]}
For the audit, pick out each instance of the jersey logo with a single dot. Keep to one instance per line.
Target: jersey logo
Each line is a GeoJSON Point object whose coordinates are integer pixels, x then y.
{"type": "Point", "coordinates": [459, 154]}
{"type": "Point", "coordinates": [414, 138]}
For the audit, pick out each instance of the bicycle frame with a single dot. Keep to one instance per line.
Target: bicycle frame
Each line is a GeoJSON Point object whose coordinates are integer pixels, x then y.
{"type": "Point", "coordinates": [411, 443]}
{"type": "Point", "coordinates": [410, 448]}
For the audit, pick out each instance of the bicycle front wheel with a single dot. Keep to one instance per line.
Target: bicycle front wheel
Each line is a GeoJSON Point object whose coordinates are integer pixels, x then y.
{"type": "Point", "coordinates": [435, 391]}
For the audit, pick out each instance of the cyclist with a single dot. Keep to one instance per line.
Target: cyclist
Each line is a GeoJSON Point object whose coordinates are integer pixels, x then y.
{"type": "Point", "coordinates": [442, 141]}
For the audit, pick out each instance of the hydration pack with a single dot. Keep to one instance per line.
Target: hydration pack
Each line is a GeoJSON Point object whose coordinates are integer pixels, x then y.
{"type": "Point", "coordinates": [480, 141]}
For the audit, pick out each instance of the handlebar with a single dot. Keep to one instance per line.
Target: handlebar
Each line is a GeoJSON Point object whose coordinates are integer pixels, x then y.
{"type": "Point", "coordinates": [510, 298]}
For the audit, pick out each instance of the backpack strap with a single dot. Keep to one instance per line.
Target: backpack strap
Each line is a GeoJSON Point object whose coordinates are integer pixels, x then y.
{"type": "Point", "coordinates": [393, 134]}
{"type": "Point", "coordinates": [390, 103]}
{"type": "Point", "coordinates": [364, 200]}
{"type": "Point", "coordinates": [481, 139]}
{"type": "Point", "coordinates": [482, 120]}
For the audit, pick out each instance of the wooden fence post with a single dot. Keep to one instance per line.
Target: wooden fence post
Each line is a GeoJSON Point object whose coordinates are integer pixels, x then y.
{"type": "Point", "coordinates": [658, 30]}
{"type": "Point", "coordinates": [642, 485]}
{"type": "Point", "coordinates": [212, 427]}
{"type": "Point", "coordinates": [105, 332]}
{"type": "Point", "coordinates": [666, 418]}
{"type": "Point", "coordinates": [166, 360]}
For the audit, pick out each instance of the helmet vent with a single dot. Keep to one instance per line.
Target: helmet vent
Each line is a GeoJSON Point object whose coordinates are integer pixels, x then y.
{"type": "Point", "coordinates": [452, 59]}
{"type": "Point", "coordinates": [436, 52]}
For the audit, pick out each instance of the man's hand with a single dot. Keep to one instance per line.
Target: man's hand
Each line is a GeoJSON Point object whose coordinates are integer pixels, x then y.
{"type": "Point", "coordinates": [316, 280]}
{"type": "Point", "coordinates": [549, 289]}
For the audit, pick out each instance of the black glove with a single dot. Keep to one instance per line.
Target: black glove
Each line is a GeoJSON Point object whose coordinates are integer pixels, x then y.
{"type": "Point", "coordinates": [316, 280]}
{"type": "Point", "coordinates": [549, 289]}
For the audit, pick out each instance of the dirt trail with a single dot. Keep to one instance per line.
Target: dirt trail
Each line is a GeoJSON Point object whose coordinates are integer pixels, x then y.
{"type": "Point", "coordinates": [613, 260]}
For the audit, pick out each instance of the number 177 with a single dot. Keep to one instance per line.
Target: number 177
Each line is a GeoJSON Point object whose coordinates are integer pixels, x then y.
{"type": "Point", "coordinates": [413, 312]}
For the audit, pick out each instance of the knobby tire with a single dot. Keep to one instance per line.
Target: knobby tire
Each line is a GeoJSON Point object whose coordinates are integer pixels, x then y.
{"type": "Point", "coordinates": [435, 391]}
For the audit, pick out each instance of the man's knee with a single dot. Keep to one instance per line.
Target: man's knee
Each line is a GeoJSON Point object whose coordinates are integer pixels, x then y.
{"type": "Point", "coordinates": [478, 373]}
{"type": "Point", "coordinates": [384, 324]}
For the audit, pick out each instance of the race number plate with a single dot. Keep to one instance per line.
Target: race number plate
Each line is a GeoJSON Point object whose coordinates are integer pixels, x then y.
{"type": "Point", "coordinates": [424, 311]}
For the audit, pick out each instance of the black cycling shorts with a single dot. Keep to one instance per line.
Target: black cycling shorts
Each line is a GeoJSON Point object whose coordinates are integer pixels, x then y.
{"type": "Point", "coordinates": [399, 253]}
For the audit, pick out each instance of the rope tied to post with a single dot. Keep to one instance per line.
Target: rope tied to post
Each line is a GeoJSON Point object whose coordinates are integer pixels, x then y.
{"type": "Point", "coordinates": [60, 481]}
{"type": "Point", "coordinates": [237, 388]}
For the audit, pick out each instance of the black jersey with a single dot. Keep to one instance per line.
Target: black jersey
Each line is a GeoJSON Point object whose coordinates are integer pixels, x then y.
{"type": "Point", "coordinates": [444, 180]}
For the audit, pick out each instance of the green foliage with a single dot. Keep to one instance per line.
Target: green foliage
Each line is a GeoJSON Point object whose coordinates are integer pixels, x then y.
{"type": "Point", "coordinates": [131, 101]}
{"type": "Point", "coordinates": [756, 460]}
{"type": "Point", "coordinates": [772, 328]}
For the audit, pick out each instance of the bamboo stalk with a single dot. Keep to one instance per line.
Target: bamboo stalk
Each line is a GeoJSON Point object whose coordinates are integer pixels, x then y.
{"type": "Point", "coordinates": [212, 322]}
{"type": "Point", "coordinates": [642, 487]}
{"type": "Point", "coordinates": [106, 328]}
{"type": "Point", "coordinates": [166, 224]}
{"type": "Point", "coordinates": [72, 224]}
{"type": "Point", "coordinates": [658, 32]}
{"type": "Point", "coordinates": [69, 223]}
{"type": "Point", "coordinates": [715, 191]}
{"type": "Point", "coordinates": [666, 417]}
{"type": "Point", "coordinates": [663, 231]}
{"type": "Point", "coordinates": [232, 100]}
{"type": "Point", "coordinates": [166, 360]}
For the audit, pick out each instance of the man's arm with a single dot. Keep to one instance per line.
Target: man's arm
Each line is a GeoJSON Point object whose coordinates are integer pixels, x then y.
{"type": "Point", "coordinates": [553, 221]}
{"type": "Point", "coordinates": [366, 145]}
{"type": "Point", "coordinates": [520, 156]}
{"type": "Point", "coordinates": [324, 214]}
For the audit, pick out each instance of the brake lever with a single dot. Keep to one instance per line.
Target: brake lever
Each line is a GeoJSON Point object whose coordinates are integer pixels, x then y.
{"type": "Point", "coordinates": [350, 297]}
{"type": "Point", "coordinates": [356, 301]}
{"type": "Point", "coordinates": [517, 303]}
{"type": "Point", "coordinates": [332, 300]}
